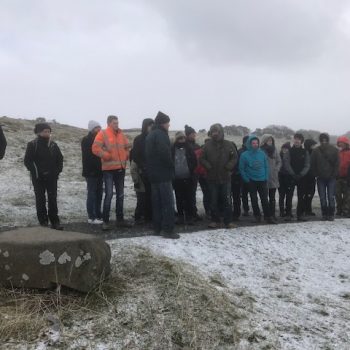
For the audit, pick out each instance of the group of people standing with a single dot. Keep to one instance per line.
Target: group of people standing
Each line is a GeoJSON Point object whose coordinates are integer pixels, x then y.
{"type": "Point", "coordinates": [226, 175]}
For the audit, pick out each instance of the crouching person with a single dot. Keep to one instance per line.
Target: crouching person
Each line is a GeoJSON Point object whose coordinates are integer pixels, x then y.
{"type": "Point", "coordinates": [254, 169]}
{"type": "Point", "coordinates": [44, 160]}
{"type": "Point", "coordinates": [219, 158]}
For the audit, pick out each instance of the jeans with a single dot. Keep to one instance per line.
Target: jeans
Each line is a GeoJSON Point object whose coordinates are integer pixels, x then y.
{"type": "Point", "coordinates": [94, 197]}
{"type": "Point", "coordinates": [42, 186]}
{"type": "Point", "coordinates": [326, 191]}
{"type": "Point", "coordinates": [116, 178]}
{"type": "Point", "coordinates": [163, 208]}
{"type": "Point", "coordinates": [220, 195]}
{"type": "Point", "coordinates": [260, 187]}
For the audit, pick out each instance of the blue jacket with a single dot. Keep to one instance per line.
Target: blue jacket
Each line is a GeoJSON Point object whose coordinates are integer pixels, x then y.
{"type": "Point", "coordinates": [253, 164]}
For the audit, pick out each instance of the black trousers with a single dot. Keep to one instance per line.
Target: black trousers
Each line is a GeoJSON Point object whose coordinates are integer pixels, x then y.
{"type": "Point", "coordinates": [244, 196]}
{"type": "Point", "coordinates": [285, 191]}
{"type": "Point", "coordinates": [310, 187]}
{"type": "Point", "coordinates": [184, 197]}
{"type": "Point", "coordinates": [43, 186]}
{"type": "Point", "coordinates": [260, 187]}
{"type": "Point", "coordinates": [144, 202]}
{"type": "Point", "coordinates": [236, 186]}
{"type": "Point", "coordinates": [301, 186]}
{"type": "Point", "coordinates": [272, 201]}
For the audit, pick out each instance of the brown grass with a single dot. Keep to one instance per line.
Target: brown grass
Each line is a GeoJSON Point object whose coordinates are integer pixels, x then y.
{"type": "Point", "coordinates": [148, 302]}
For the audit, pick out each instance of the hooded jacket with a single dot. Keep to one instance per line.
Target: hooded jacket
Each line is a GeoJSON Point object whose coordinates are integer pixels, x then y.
{"type": "Point", "coordinates": [91, 163]}
{"type": "Point", "coordinates": [325, 161]}
{"type": "Point", "coordinates": [274, 160]}
{"type": "Point", "coordinates": [253, 164]}
{"type": "Point", "coordinates": [159, 162]}
{"type": "Point", "coordinates": [3, 143]}
{"type": "Point", "coordinates": [138, 149]}
{"type": "Point", "coordinates": [344, 158]}
{"type": "Point", "coordinates": [219, 157]}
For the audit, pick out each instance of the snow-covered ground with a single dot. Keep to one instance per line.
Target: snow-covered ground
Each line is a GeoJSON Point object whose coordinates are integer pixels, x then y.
{"type": "Point", "coordinates": [298, 275]}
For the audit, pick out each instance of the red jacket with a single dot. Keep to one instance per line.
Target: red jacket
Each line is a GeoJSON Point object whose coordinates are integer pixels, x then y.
{"type": "Point", "coordinates": [344, 157]}
{"type": "Point", "coordinates": [199, 170]}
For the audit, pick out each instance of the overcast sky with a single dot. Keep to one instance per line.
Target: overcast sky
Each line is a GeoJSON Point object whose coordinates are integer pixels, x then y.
{"type": "Point", "coordinates": [247, 62]}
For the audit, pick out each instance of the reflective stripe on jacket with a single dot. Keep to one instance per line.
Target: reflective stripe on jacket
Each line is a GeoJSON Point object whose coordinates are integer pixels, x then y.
{"type": "Point", "coordinates": [113, 149]}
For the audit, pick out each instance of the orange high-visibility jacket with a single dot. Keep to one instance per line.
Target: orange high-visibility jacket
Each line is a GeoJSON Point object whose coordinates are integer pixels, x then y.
{"type": "Point", "coordinates": [113, 149]}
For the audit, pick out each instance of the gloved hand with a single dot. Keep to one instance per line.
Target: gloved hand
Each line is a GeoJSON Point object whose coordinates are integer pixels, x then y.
{"type": "Point", "coordinates": [296, 177]}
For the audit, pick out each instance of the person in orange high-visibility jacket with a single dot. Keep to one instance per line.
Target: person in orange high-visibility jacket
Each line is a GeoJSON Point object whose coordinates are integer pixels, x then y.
{"type": "Point", "coordinates": [112, 146]}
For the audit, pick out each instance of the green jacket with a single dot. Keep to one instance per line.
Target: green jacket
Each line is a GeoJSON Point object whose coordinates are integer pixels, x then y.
{"type": "Point", "coordinates": [219, 158]}
{"type": "Point", "coordinates": [325, 161]}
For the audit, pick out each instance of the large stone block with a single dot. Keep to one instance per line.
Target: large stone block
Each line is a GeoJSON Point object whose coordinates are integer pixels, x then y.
{"type": "Point", "coordinates": [39, 257]}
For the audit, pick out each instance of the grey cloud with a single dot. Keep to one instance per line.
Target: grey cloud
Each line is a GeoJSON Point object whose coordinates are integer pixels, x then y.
{"type": "Point", "coordinates": [252, 31]}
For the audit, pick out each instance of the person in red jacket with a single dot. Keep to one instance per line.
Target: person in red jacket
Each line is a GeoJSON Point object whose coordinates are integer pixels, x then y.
{"type": "Point", "coordinates": [343, 179]}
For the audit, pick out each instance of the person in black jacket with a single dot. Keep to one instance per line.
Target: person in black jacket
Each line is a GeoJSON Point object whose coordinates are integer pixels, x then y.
{"type": "Point", "coordinates": [310, 180]}
{"type": "Point", "coordinates": [143, 209]}
{"type": "Point", "coordinates": [3, 143]}
{"type": "Point", "coordinates": [44, 160]}
{"type": "Point", "coordinates": [160, 171]}
{"type": "Point", "coordinates": [185, 162]}
{"type": "Point", "coordinates": [92, 171]}
{"type": "Point", "coordinates": [296, 161]}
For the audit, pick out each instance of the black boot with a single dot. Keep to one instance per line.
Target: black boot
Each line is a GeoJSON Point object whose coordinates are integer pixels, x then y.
{"type": "Point", "coordinates": [324, 211]}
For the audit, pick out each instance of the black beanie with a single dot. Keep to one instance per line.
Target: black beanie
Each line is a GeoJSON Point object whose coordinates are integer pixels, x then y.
{"type": "Point", "coordinates": [299, 136]}
{"type": "Point", "coordinates": [189, 130]}
{"type": "Point", "coordinates": [324, 137]}
{"type": "Point", "coordinates": [286, 145]}
{"type": "Point", "coordinates": [161, 118]}
{"type": "Point", "coordinates": [40, 127]}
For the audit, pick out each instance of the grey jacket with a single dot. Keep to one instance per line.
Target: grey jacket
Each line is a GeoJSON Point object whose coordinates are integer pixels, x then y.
{"type": "Point", "coordinates": [275, 163]}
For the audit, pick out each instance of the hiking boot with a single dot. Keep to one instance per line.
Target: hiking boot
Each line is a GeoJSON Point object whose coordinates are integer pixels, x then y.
{"type": "Point", "coordinates": [311, 213]}
{"type": "Point", "coordinates": [180, 220]}
{"type": "Point", "coordinates": [106, 226]}
{"type": "Point", "coordinates": [271, 221]}
{"type": "Point", "coordinates": [301, 218]}
{"type": "Point", "coordinates": [57, 226]}
{"type": "Point", "coordinates": [44, 224]}
{"type": "Point", "coordinates": [230, 225]}
{"type": "Point", "coordinates": [197, 218]}
{"type": "Point", "coordinates": [288, 218]}
{"type": "Point", "coordinates": [171, 235]}
{"type": "Point", "coordinates": [331, 218]}
{"type": "Point", "coordinates": [123, 223]}
{"type": "Point", "coordinates": [213, 224]}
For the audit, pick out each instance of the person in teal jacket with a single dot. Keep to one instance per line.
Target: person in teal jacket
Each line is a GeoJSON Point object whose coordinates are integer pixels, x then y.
{"type": "Point", "coordinates": [254, 169]}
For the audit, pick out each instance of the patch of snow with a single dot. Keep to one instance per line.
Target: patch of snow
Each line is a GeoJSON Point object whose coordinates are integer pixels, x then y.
{"type": "Point", "coordinates": [298, 275]}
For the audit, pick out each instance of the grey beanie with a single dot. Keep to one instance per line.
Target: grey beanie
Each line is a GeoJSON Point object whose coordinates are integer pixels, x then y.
{"type": "Point", "coordinates": [92, 125]}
